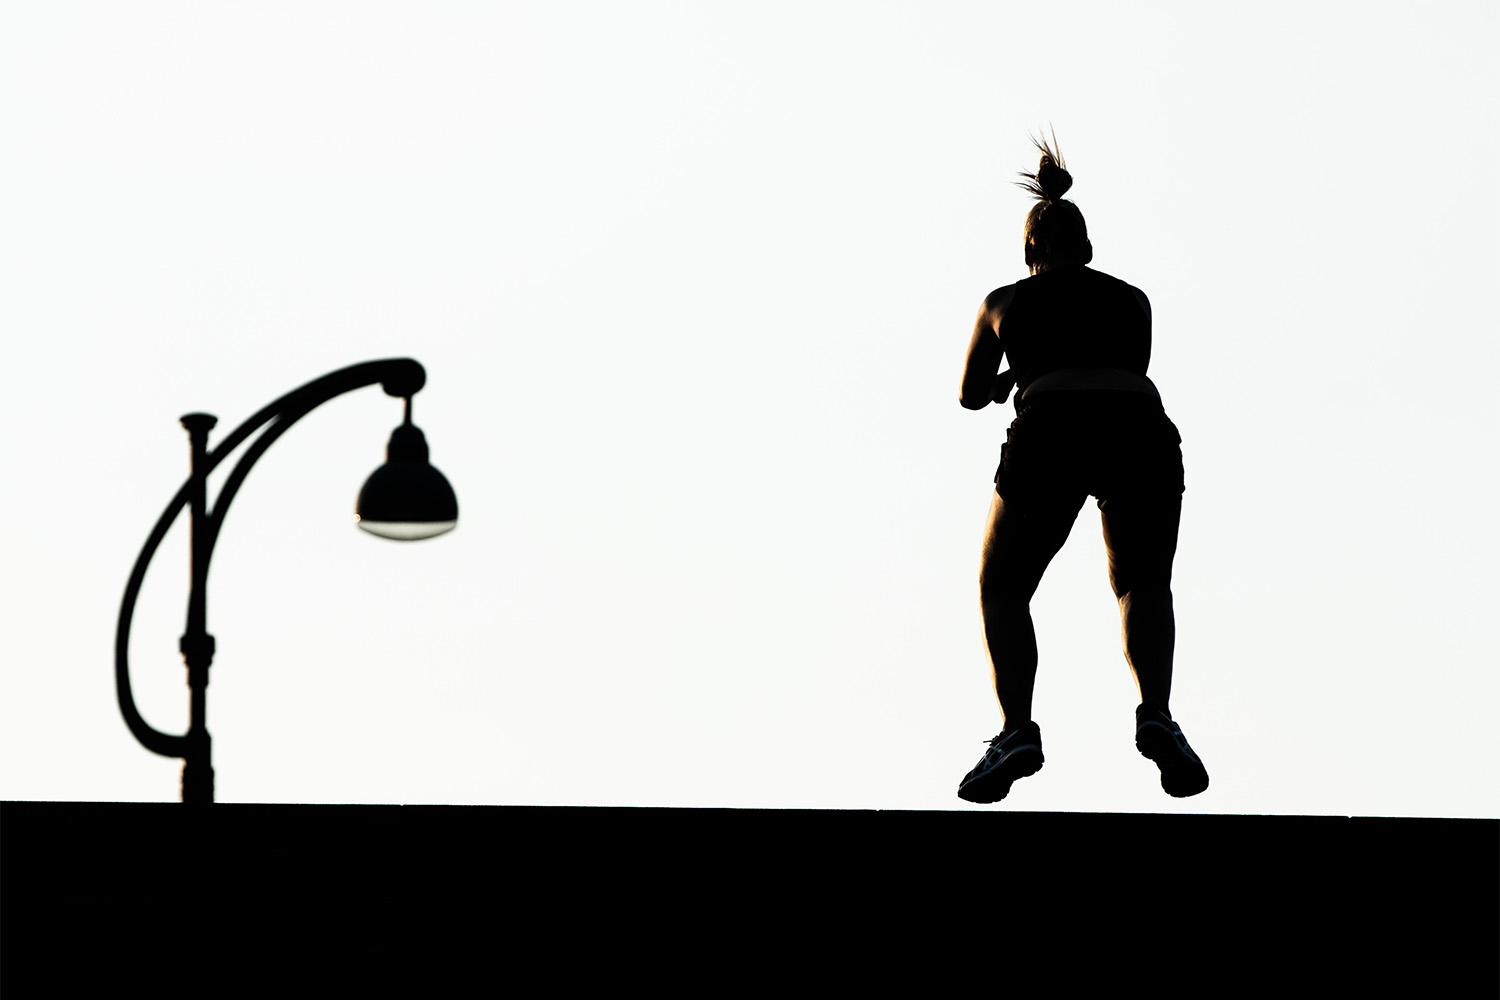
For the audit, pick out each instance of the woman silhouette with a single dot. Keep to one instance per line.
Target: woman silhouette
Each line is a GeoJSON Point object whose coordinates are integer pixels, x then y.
{"type": "Point", "coordinates": [1088, 423]}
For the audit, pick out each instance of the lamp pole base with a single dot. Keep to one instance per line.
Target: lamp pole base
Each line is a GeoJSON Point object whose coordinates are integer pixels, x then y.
{"type": "Point", "coordinates": [197, 780]}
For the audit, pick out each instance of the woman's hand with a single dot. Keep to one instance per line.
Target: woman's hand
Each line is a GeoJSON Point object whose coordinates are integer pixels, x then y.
{"type": "Point", "coordinates": [1004, 383]}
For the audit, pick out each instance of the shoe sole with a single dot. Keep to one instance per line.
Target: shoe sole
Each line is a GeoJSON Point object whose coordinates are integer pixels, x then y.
{"type": "Point", "coordinates": [992, 786]}
{"type": "Point", "coordinates": [1181, 776]}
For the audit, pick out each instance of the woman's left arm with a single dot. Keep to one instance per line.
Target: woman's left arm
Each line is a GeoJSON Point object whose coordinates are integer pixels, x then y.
{"type": "Point", "coordinates": [985, 351]}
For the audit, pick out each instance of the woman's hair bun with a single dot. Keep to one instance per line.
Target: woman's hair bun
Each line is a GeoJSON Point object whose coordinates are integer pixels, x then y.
{"type": "Point", "coordinates": [1051, 180]}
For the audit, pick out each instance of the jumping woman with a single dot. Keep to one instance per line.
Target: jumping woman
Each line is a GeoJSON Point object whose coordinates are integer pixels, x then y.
{"type": "Point", "coordinates": [1088, 423]}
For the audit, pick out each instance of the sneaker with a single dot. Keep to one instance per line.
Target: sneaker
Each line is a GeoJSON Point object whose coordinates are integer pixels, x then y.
{"type": "Point", "coordinates": [1015, 753]}
{"type": "Point", "coordinates": [1160, 740]}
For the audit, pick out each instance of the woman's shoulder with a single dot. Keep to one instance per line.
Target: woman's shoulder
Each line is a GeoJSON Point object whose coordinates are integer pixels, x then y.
{"type": "Point", "coordinates": [1101, 277]}
{"type": "Point", "coordinates": [1001, 298]}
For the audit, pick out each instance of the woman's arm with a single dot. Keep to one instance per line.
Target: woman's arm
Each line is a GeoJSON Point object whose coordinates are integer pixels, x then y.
{"type": "Point", "coordinates": [985, 351]}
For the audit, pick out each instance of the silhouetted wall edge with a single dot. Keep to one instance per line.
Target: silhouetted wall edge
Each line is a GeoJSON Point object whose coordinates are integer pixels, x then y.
{"type": "Point", "coordinates": [621, 893]}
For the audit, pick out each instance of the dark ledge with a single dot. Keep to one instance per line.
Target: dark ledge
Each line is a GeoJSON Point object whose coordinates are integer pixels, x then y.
{"type": "Point", "coordinates": [1322, 902]}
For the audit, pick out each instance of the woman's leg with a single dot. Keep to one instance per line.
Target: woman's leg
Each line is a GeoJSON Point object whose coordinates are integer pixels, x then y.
{"type": "Point", "coordinates": [1140, 534]}
{"type": "Point", "coordinates": [1020, 539]}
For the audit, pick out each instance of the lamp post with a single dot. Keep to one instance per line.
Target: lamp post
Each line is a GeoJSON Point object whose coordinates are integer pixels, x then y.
{"type": "Point", "coordinates": [405, 499]}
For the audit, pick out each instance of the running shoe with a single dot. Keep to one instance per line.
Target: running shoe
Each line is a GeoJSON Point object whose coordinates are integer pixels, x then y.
{"type": "Point", "coordinates": [1015, 753]}
{"type": "Point", "coordinates": [1160, 740]}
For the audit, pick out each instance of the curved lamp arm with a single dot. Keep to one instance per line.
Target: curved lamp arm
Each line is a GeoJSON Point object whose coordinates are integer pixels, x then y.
{"type": "Point", "coordinates": [400, 377]}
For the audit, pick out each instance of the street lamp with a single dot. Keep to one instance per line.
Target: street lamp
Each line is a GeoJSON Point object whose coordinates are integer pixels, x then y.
{"type": "Point", "coordinates": [405, 499]}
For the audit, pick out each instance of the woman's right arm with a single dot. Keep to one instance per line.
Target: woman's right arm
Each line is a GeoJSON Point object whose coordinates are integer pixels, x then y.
{"type": "Point", "coordinates": [985, 351]}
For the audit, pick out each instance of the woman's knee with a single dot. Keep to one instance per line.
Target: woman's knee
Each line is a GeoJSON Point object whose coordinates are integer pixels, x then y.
{"type": "Point", "coordinates": [997, 587]}
{"type": "Point", "coordinates": [1143, 595]}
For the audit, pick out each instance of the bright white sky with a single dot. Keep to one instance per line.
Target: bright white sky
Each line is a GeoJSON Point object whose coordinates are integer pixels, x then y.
{"type": "Point", "coordinates": [693, 284]}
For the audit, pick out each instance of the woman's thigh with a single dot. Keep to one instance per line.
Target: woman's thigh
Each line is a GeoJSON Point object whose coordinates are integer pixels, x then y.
{"type": "Point", "coordinates": [1140, 535]}
{"type": "Point", "coordinates": [1020, 539]}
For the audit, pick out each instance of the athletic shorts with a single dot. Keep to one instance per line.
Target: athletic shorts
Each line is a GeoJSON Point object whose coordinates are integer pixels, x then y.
{"type": "Point", "coordinates": [1070, 445]}
{"type": "Point", "coordinates": [1103, 444]}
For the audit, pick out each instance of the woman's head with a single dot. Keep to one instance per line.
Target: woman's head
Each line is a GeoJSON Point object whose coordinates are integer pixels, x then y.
{"type": "Point", "coordinates": [1055, 231]}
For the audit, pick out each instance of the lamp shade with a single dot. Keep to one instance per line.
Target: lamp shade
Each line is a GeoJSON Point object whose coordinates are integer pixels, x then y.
{"type": "Point", "coordinates": [406, 499]}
